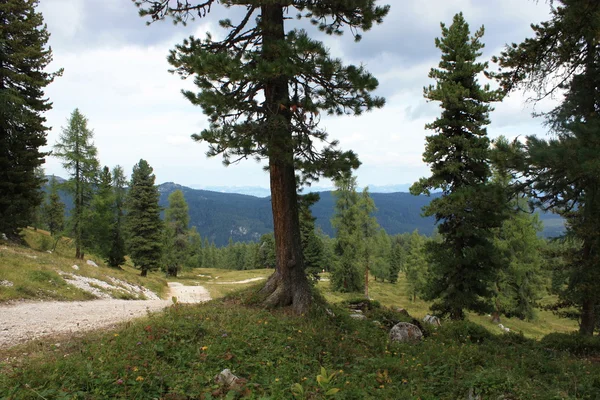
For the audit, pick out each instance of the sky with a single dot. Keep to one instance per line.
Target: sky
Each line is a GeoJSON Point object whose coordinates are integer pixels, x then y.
{"type": "Point", "coordinates": [116, 73]}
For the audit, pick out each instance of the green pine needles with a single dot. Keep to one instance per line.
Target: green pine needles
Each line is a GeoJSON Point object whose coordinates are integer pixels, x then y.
{"type": "Point", "coordinates": [465, 261]}
{"type": "Point", "coordinates": [24, 58]}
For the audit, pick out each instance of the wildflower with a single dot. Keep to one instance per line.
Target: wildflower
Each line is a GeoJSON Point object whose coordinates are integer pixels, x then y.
{"type": "Point", "coordinates": [135, 369]}
{"type": "Point", "coordinates": [119, 381]}
{"type": "Point", "coordinates": [276, 379]}
{"type": "Point", "coordinates": [303, 379]}
{"type": "Point", "coordinates": [203, 348]}
{"type": "Point", "coordinates": [139, 343]}
{"type": "Point", "coordinates": [299, 331]}
{"type": "Point", "coordinates": [116, 334]}
{"type": "Point", "coordinates": [139, 378]}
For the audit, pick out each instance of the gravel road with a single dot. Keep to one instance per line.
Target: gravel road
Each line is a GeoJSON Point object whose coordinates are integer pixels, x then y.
{"type": "Point", "coordinates": [22, 322]}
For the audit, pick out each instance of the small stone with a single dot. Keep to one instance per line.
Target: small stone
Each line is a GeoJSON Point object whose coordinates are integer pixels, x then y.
{"type": "Point", "coordinates": [4, 237]}
{"type": "Point", "coordinates": [402, 311]}
{"type": "Point", "coordinates": [227, 378]}
{"type": "Point", "coordinates": [75, 267]}
{"type": "Point", "coordinates": [358, 316]}
{"type": "Point", "coordinates": [91, 263]}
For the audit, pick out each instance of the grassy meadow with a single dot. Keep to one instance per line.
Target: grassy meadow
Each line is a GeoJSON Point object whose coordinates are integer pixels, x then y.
{"type": "Point", "coordinates": [176, 354]}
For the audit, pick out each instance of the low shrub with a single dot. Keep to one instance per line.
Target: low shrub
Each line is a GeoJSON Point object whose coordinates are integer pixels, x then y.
{"type": "Point", "coordinates": [464, 332]}
{"type": "Point", "coordinates": [572, 343]}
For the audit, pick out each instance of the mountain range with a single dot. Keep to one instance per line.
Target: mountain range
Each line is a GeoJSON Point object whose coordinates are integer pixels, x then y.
{"type": "Point", "coordinates": [219, 216]}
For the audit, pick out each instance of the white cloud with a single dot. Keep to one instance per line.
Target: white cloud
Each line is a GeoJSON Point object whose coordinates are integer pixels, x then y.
{"type": "Point", "coordinates": [137, 111]}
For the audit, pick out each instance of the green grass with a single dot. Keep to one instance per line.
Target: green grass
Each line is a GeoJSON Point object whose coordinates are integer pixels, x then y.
{"type": "Point", "coordinates": [176, 355]}
{"type": "Point", "coordinates": [397, 295]}
{"type": "Point", "coordinates": [33, 272]}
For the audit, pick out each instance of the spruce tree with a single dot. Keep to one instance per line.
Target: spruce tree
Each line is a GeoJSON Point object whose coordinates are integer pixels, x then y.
{"type": "Point", "coordinates": [563, 173]}
{"type": "Point", "coordinates": [144, 226]}
{"type": "Point", "coordinates": [396, 259]}
{"type": "Point", "coordinates": [116, 254]}
{"type": "Point", "coordinates": [312, 247]}
{"type": "Point", "coordinates": [416, 266]}
{"type": "Point", "coordinates": [177, 220]}
{"type": "Point", "coordinates": [78, 154]}
{"type": "Point", "coordinates": [263, 89]}
{"type": "Point", "coordinates": [54, 209]}
{"type": "Point", "coordinates": [24, 58]}
{"type": "Point", "coordinates": [465, 262]}
{"type": "Point", "coordinates": [368, 228]}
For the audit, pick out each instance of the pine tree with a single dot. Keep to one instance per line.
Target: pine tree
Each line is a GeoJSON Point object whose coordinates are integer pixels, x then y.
{"type": "Point", "coordinates": [23, 62]}
{"type": "Point", "coordinates": [78, 154]}
{"type": "Point", "coordinates": [143, 221]}
{"type": "Point", "coordinates": [54, 209]}
{"type": "Point", "coordinates": [564, 172]}
{"type": "Point", "coordinates": [465, 262]}
{"type": "Point", "coordinates": [347, 275]}
{"type": "Point", "coordinates": [116, 254]}
{"type": "Point", "coordinates": [177, 220]}
{"type": "Point", "coordinates": [263, 89]}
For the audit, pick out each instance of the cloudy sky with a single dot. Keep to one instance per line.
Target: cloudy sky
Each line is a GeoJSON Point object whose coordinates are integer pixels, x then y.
{"type": "Point", "coordinates": [116, 73]}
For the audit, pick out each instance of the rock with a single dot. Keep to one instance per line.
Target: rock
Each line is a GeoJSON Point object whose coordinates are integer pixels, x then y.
{"type": "Point", "coordinates": [404, 332]}
{"type": "Point", "coordinates": [227, 378]}
{"type": "Point", "coordinates": [329, 312]}
{"type": "Point", "coordinates": [4, 236]}
{"type": "Point", "coordinates": [90, 262]}
{"type": "Point", "coordinates": [49, 251]}
{"type": "Point", "coordinates": [6, 283]}
{"type": "Point", "coordinates": [433, 320]}
{"type": "Point", "coordinates": [75, 267]}
{"type": "Point", "coordinates": [358, 316]}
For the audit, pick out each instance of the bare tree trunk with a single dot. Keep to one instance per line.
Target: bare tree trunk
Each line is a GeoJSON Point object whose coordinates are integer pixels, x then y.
{"type": "Point", "coordinates": [288, 285]}
{"type": "Point", "coordinates": [367, 280]}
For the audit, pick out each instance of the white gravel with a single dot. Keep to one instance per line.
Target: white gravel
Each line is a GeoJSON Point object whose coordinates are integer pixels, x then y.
{"type": "Point", "coordinates": [22, 322]}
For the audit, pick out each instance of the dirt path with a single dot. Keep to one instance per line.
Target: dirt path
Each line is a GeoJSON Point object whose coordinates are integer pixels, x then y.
{"type": "Point", "coordinates": [22, 322]}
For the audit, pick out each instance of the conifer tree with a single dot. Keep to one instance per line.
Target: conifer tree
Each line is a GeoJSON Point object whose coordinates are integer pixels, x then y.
{"type": "Point", "coordinates": [263, 89]}
{"type": "Point", "coordinates": [177, 220]}
{"type": "Point", "coordinates": [563, 173]}
{"type": "Point", "coordinates": [465, 262]}
{"type": "Point", "coordinates": [144, 225]}
{"type": "Point", "coordinates": [196, 253]}
{"type": "Point", "coordinates": [347, 275]}
{"type": "Point", "coordinates": [54, 209]}
{"type": "Point", "coordinates": [368, 228]}
{"type": "Point", "coordinates": [116, 254]}
{"type": "Point", "coordinates": [416, 266]}
{"type": "Point", "coordinates": [312, 247]}
{"type": "Point", "coordinates": [78, 154]}
{"type": "Point", "coordinates": [100, 216]}
{"type": "Point", "coordinates": [23, 77]}
{"type": "Point", "coordinates": [396, 259]}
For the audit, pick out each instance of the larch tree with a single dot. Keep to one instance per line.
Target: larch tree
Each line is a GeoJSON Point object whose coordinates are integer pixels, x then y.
{"type": "Point", "coordinates": [177, 219]}
{"type": "Point", "coordinates": [563, 173]}
{"type": "Point", "coordinates": [347, 275]}
{"type": "Point", "coordinates": [100, 216]}
{"type": "Point", "coordinates": [24, 58]}
{"type": "Point", "coordinates": [264, 88]}
{"type": "Point", "coordinates": [79, 157]}
{"type": "Point", "coordinates": [464, 262]}
{"type": "Point", "coordinates": [143, 223]}
{"type": "Point", "coordinates": [53, 209]}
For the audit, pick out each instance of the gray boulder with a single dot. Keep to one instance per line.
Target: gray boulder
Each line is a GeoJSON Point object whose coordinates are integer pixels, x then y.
{"type": "Point", "coordinates": [405, 333]}
{"type": "Point", "coordinates": [432, 320]}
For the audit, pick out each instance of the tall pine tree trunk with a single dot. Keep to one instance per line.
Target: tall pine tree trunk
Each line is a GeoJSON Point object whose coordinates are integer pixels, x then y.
{"type": "Point", "coordinates": [288, 285]}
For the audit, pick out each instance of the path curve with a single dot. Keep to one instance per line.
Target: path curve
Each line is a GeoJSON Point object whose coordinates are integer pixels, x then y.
{"type": "Point", "coordinates": [23, 322]}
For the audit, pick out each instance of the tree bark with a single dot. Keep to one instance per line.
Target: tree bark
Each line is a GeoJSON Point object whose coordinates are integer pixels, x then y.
{"type": "Point", "coordinates": [288, 286]}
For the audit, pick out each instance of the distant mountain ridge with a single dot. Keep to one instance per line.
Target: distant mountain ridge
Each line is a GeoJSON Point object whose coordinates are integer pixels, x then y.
{"type": "Point", "coordinates": [219, 216]}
